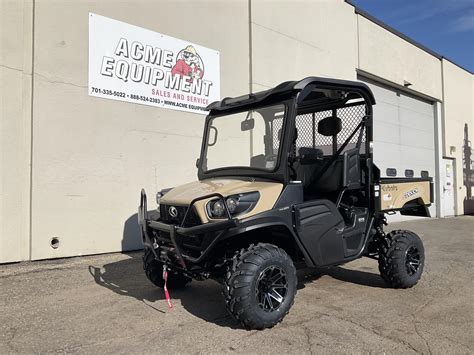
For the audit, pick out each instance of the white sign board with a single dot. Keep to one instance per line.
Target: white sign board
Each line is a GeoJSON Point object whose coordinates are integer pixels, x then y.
{"type": "Point", "coordinates": [133, 64]}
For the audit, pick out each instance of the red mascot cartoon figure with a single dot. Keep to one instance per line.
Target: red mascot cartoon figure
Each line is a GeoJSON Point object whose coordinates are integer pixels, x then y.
{"type": "Point", "coordinates": [189, 63]}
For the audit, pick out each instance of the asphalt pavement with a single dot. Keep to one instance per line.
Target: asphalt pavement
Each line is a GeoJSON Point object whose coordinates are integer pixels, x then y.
{"type": "Point", "coordinates": [105, 304]}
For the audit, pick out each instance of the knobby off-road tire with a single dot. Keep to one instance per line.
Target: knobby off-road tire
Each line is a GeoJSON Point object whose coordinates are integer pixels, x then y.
{"type": "Point", "coordinates": [154, 272]}
{"type": "Point", "coordinates": [401, 259]}
{"type": "Point", "coordinates": [260, 286]}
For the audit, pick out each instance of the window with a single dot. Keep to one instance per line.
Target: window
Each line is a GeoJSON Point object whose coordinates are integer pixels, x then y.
{"type": "Point", "coordinates": [307, 128]}
{"type": "Point", "coordinates": [244, 139]}
{"type": "Point", "coordinates": [391, 172]}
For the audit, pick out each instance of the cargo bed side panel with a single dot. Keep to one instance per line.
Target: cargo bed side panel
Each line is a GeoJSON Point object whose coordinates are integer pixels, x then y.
{"type": "Point", "coordinates": [398, 194]}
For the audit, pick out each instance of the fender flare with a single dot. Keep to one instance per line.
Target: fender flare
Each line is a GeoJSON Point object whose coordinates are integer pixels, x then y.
{"type": "Point", "coordinates": [269, 219]}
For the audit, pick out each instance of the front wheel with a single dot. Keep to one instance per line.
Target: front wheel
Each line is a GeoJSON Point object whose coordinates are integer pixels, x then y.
{"type": "Point", "coordinates": [260, 286]}
{"type": "Point", "coordinates": [401, 259]}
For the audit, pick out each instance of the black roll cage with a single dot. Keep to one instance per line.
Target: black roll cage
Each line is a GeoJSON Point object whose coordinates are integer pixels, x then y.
{"type": "Point", "coordinates": [296, 96]}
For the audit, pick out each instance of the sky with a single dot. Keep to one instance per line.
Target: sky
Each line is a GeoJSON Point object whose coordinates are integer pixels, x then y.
{"type": "Point", "coordinates": [444, 26]}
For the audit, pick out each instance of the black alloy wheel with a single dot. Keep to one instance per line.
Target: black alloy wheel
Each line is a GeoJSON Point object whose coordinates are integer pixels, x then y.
{"type": "Point", "coordinates": [272, 287]}
{"type": "Point", "coordinates": [260, 286]}
{"type": "Point", "coordinates": [401, 259]}
{"type": "Point", "coordinates": [412, 260]}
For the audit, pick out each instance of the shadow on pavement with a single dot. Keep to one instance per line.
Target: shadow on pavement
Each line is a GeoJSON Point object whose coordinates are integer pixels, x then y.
{"type": "Point", "coordinates": [202, 299]}
{"type": "Point", "coordinates": [357, 277]}
{"type": "Point", "coordinates": [127, 278]}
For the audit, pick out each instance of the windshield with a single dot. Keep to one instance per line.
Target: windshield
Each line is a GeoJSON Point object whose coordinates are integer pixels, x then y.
{"type": "Point", "coordinates": [249, 139]}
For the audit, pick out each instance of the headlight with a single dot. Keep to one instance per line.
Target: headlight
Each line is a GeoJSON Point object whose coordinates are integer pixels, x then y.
{"type": "Point", "coordinates": [159, 196]}
{"type": "Point", "coordinates": [236, 205]}
{"type": "Point", "coordinates": [232, 204]}
{"type": "Point", "coordinates": [217, 209]}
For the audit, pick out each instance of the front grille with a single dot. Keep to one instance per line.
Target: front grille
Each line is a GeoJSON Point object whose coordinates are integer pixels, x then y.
{"type": "Point", "coordinates": [192, 219]}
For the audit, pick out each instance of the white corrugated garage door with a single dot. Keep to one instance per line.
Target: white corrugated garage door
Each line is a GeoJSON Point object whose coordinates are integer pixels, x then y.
{"type": "Point", "coordinates": [404, 133]}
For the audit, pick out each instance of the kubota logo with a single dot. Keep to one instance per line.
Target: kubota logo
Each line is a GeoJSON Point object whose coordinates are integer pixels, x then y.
{"type": "Point", "coordinates": [173, 212]}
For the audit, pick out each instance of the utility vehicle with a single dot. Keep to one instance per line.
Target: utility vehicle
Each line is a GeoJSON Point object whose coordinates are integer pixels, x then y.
{"type": "Point", "coordinates": [286, 177]}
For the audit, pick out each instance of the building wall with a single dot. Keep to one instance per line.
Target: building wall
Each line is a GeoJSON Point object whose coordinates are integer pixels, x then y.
{"type": "Point", "coordinates": [15, 121]}
{"type": "Point", "coordinates": [296, 39]}
{"type": "Point", "coordinates": [91, 156]}
{"type": "Point", "coordinates": [458, 111]}
{"type": "Point", "coordinates": [388, 56]}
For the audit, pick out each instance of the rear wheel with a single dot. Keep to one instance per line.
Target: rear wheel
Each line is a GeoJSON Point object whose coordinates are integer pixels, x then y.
{"type": "Point", "coordinates": [260, 286]}
{"type": "Point", "coordinates": [154, 272]}
{"type": "Point", "coordinates": [401, 259]}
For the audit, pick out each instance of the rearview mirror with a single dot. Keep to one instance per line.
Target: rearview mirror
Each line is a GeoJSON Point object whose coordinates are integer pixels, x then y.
{"type": "Point", "coordinates": [330, 126]}
{"type": "Point", "coordinates": [247, 125]}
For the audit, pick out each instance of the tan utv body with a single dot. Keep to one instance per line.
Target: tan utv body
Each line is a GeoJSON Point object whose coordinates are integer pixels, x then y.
{"type": "Point", "coordinates": [184, 194]}
{"type": "Point", "coordinates": [285, 177]}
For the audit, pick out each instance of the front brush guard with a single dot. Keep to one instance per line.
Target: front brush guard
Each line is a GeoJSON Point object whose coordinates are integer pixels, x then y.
{"type": "Point", "coordinates": [175, 231]}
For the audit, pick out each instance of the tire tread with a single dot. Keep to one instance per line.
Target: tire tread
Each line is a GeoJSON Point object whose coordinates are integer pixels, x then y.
{"type": "Point", "coordinates": [237, 284]}
{"type": "Point", "coordinates": [391, 256]}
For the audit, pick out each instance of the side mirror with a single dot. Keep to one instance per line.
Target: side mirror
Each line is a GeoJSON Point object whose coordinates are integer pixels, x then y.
{"type": "Point", "coordinates": [247, 125]}
{"type": "Point", "coordinates": [198, 161]}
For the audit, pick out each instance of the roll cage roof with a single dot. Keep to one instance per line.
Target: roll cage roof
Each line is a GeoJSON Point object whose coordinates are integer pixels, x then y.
{"type": "Point", "coordinates": [309, 95]}
{"type": "Point", "coordinates": [304, 88]}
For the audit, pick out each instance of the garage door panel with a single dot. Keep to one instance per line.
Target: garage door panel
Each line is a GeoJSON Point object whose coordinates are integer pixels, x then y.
{"type": "Point", "coordinates": [384, 96]}
{"type": "Point", "coordinates": [404, 131]}
{"type": "Point", "coordinates": [416, 120]}
{"type": "Point", "coordinates": [416, 158]}
{"type": "Point", "coordinates": [386, 113]}
{"type": "Point", "coordinates": [386, 155]}
{"type": "Point", "coordinates": [416, 105]}
{"type": "Point", "coordinates": [415, 138]}
{"type": "Point", "coordinates": [387, 132]}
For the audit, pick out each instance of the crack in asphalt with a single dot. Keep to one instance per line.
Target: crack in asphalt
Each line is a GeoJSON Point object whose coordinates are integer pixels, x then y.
{"type": "Point", "coordinates": [360, 325]}
{"type": "Point", "coordinates": [307, 334]}
{"type": "Point", "coordinates": [417, 331]}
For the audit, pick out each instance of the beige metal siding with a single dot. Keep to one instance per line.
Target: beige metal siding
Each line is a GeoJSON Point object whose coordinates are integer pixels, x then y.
{"type": "Point", "coordinates": [15, 134]}
{"type": "Point", "coordinates": [458, 111]}
{"type": "Point", "coordinates": [91, 156]}
{"type": "Point", "coordinates": [388, 56]}
{"type": "Point", "coordinates": [292, 40]}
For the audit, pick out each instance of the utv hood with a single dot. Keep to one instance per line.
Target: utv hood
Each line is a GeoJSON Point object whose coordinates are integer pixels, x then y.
{"type": "Point", "coordinates": [184, 194]}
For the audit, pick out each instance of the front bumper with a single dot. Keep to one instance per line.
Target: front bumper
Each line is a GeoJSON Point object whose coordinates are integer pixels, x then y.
{"type": "Point", "coordinates": [147, 226]}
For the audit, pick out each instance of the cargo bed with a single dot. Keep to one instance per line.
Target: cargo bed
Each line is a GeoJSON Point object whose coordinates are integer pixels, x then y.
{"type": "Point", "coordinates": [410, 196]}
